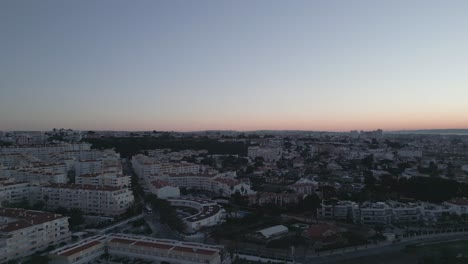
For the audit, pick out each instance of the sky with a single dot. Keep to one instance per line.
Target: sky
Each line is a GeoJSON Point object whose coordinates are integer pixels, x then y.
{"type": "Point", "coordinates": [234, 65]}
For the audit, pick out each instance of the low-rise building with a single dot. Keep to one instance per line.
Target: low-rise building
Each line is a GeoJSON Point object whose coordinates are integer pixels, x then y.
{"type": "Point", "coordinates": [209, 213]}
{"type": "Point", "coordinates": [273, 231]}
{"type": "Point", "coordinates": [138, 247]}
{"type": "Point", "coordinates": [459, 206]}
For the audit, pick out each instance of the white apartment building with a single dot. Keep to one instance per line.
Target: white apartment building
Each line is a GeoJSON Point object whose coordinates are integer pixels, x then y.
{"type": "Point", "coordinates": [164, 189]}
{"type": "Point", "coordinates": [14, 160]}
{"type": "Point", "coordinates": [431, 213]}
{"type": "Point", "coordinates": [87, 167]}
{"type": "Point", "coordinates": [104, 179]}
{"type": "Point", "coordinates": [187, 175]}
{"type": "Point", "coordinates": [139, 247]}
{"type": "Point", "coordinates": [33, 175]}
{"type": "Point", "coordinates": [195, 181]}
{"type": "Point", "coordinates": [228, 186]}
{"type": "Point", "coordinates": [24, 232]}
{"type": "Point", "coordinates": [390, 212]}
{"type": "Point", "coordinates": [91, 199]}
{"type": "Point", "coordinates": [342, 210]}
{"type": "Point", "coordinates": [375, 214]}
{"type": "Point", "coordinates": [13, 192]}
{"type": "Point", "coordinates": [405, 212]}
{"type": "Point", "coordinates": [44, 151]}
{"type": "Point", "coordinates": [146, 166]}
{"type": "Point", "coordinates": [267, 153]}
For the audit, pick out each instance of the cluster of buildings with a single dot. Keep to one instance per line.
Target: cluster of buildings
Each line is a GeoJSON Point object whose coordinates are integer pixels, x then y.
{"type": "Point", "coordinates": [166, 178]}
{"type": "Point", "coordinates": [391, 212]}
{"type": "Point", "coordinates": [137, 247]}
{"type": "Point", "coordinates": [69, 175]}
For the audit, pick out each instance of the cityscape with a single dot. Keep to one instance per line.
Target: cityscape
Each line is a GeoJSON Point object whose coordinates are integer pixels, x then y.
{"type": "Point", "coordinates": [233, 132]}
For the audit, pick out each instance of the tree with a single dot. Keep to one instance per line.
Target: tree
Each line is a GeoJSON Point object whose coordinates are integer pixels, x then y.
{"type": "Point", "coordinates": [450, 169]}
{"type": "Point", "coordinates": [62, 210]}
{"type": "Point", "coordinates": [38, 259]}
{"type": "Point", "coordinates": [369, 178]}
{"type": "Point", "coordinates": [76, 217]}
{"type": "Point", "coordinates": [39, 205]}
{"type": "Point", "coordinates": [46, 200]}
{"type": "Point", "coordinates": [71, 176]}
{"type": "Point", "coordinates": [310, 203]}
{"type": "Point", "coordinates": [433, 169]}
{"type": "Point", "coordinates": [368, 161]}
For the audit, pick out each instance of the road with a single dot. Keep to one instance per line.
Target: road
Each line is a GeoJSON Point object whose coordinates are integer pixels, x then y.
{"type": "Point", "coordinates": [337, 255]}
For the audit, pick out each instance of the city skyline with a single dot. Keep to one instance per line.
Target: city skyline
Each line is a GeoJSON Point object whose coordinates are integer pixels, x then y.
{"type": "Point", "coordinates": [218, 65]}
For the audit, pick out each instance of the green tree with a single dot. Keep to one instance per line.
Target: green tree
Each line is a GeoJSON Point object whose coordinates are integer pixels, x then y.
{"type": "Point", "coordinates": [46, 200]}
{"type": "Point", "coordinates": [76, 217]}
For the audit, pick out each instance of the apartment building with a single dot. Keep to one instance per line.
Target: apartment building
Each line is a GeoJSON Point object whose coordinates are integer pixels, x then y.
{"type": "Point", "coordinates": [104, 179]}
{"type": "Point", "coordinates": [267, 153]}
{"type": "Point", "coordinates": [164, 189]}
{"type": "Point", "coordinates": [278, 199]}
{"type": "Point", "coordinates": [14, 160]}
{"type": "Point", "coordinates": [146, 166]}
{"type": "Point", "coordinates": [13, 192]}
{"type": "Point", "coordinates": [406, 213]}
{"type": "Point", "coordinates": [91, 199]}
{"type": "Point", "coordinates": [44, 151]}
{"type": "Point", "coordinates": [342, 210]}
{"type": "Point", "coordinates": [24, 232]}
{"type": "Point", "coordinates": [390, 212]}
{"type": "Point", "coordinates": [34, 175]}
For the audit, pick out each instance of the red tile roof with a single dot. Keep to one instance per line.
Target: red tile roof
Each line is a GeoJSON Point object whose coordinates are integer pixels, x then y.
{"type": "Point", "coordinates": [80, 248]}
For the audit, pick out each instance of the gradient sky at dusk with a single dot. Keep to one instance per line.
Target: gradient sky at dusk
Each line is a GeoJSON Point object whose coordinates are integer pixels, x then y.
{"type": "Point", "coordinates": [243, 65]}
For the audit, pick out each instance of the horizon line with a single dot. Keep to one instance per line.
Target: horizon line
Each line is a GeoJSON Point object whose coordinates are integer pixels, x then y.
{"type": "Point", "coordinates": [231, 130]}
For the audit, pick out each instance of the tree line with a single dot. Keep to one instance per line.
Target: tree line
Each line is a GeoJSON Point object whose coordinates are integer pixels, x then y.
{"type": "Point", "coordinates": [128, 146]}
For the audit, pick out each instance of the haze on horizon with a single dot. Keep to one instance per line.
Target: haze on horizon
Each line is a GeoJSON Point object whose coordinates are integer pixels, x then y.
{"type": "Point", "coordinates": [233, 65]}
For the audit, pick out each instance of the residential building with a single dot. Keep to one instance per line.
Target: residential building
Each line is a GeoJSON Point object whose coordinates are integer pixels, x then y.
{"type": "Point", "coordinates": [164, 189]}
{"type": "Point", "coordinates": [24, 232]}
{"type": "Point", "coordinates": [104, 179]}
{"type": "Point", "coordinates": [269, 154]}
{"type": "Point", "coordinates": [13, 192]}
{"type": "Point", "coordinates": [91, 199]}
